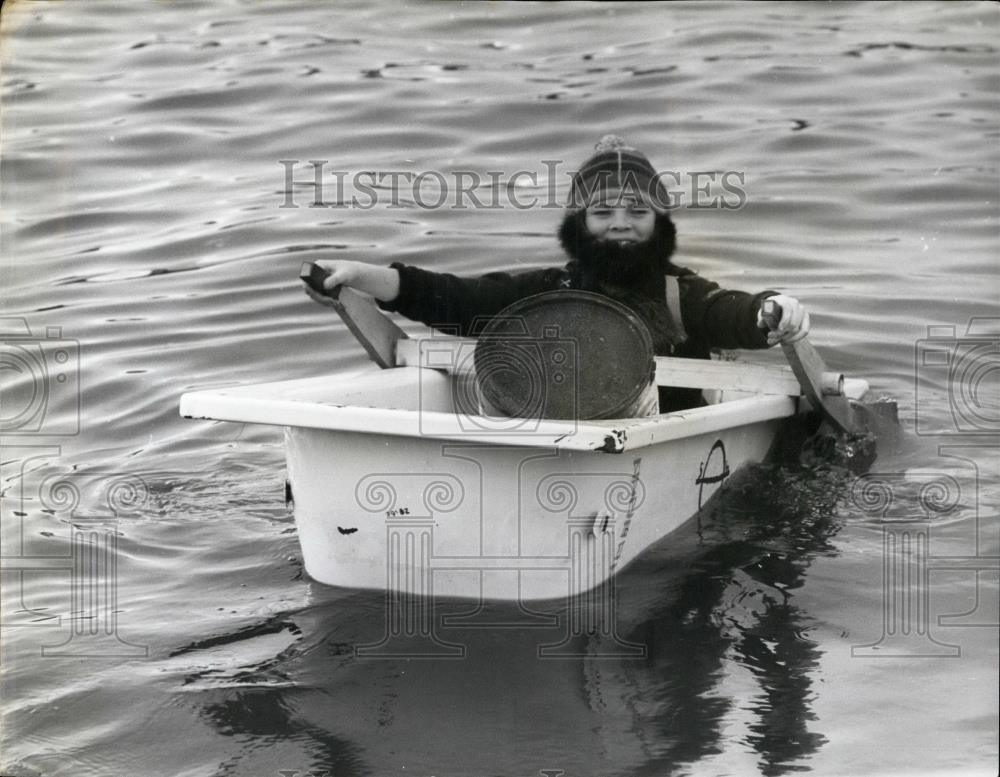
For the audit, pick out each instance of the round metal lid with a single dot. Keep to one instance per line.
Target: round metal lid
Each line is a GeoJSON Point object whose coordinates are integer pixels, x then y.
{"type": "Point", "coordinates": [565, 354]}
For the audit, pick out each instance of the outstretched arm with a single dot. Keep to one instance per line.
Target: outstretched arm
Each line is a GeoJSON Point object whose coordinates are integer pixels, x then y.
{"type": "Point", "coordinates": [441, 300]}
{"type": "Point", "coordinates": [461, 305]}
{"type": "Point", "coordinates": [721, 318]}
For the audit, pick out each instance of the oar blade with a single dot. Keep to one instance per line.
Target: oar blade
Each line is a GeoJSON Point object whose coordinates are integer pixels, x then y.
{"type": "Point", "coordinates": [809, 368]}
{"type": "Point", "coordinates": [823, 389]}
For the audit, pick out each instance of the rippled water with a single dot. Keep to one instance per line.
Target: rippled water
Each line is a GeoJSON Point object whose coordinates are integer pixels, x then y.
{"type": "Point", "coordinates": [142, 217]}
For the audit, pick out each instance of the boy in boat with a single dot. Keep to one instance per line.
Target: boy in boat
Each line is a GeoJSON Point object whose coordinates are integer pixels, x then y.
{"type": "Point", "coordinates": [619, 239]}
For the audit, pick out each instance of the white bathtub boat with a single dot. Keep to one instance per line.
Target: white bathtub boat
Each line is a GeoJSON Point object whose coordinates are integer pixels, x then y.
{"type": "Point", "coordinates": [396, 486]}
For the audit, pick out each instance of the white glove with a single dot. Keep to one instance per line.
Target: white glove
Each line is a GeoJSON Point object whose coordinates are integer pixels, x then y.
{"type": "Point", "coordinates": [794, 323]}
{"type": "Point", "coordinates": [381, 282]}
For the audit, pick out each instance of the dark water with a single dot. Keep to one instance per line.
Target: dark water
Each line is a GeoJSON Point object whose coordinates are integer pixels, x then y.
{"type": "Point", "coordinates": [145, 253]}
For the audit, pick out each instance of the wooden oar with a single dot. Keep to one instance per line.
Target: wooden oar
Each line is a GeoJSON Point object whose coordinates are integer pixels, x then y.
{"type": "Point", "coordinates": [824, 389]}
{"type": "Point", "coordinates": [375, 331]}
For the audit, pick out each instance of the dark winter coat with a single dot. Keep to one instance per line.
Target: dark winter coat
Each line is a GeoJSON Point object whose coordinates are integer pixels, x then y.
{"type": "Point", "coordinates": [713, 317]}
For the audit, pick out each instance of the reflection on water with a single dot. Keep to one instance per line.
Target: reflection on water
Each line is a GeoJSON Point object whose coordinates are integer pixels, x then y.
{"type": "Point", "coordinates": [733, 607]}
{"type": "Point", "coordinates": [267, 719]}
{"type": "Point", "coordinates": [713, 601]}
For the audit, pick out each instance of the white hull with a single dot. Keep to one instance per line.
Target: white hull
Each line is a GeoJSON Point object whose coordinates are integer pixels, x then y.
{"type": "Point", "coordinates": [495, 522]}
{"type": "Point", "coordinates": [394, 490]}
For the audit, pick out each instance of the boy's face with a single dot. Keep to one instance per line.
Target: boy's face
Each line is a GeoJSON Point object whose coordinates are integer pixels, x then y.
{"type": "Point", "coordinates": [620, 218]}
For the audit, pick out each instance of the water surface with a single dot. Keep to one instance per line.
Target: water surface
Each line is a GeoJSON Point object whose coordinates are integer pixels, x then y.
{"type": "Point", "coordinates": [142, 219]}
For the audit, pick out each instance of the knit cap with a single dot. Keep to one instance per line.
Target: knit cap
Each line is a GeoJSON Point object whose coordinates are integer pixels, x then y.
{"type": "Point", "coordinates": [616, 165]}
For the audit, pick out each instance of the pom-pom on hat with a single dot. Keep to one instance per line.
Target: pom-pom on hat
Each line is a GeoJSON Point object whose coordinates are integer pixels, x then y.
{"type": "Point", "coordinates": [616, 165]}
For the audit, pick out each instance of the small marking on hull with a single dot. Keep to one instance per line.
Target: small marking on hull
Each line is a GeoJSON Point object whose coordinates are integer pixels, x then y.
{"type": "Point", "coordinates": [703, 470]}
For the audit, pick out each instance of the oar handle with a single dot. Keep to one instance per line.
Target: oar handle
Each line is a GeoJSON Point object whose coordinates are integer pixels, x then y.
{"type": "Point", "coordinates": [770, 313]}
{"type": "Point", "coordinates": [312, 275]}
{"type": "Point", "coordinates": [831, 384]}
